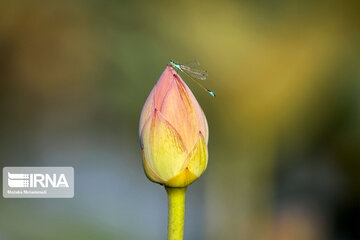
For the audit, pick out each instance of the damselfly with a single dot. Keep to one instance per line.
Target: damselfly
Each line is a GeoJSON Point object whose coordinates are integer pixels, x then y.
{"type": "Point", "coordinates": [193, 73]}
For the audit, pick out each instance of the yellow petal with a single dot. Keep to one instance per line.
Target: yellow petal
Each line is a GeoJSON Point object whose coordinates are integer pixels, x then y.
{"type": "Point", "coordinates": [150, 172]}
{"type": "Point", "coordinates": [163, 149]}
{"type": "Point", "coordinates": [198, 158]}
{"type": "Point", "coordinates": [196, 165]}
{"type": "Point", "coordinates": [182, 179]}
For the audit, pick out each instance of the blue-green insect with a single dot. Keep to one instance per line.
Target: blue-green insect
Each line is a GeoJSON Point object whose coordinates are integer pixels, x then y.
{"type": "Point", "coordinates": [193, 73]}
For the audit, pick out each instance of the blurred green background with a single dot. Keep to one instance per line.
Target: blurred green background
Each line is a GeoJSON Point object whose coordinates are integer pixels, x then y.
{"type": "Point", "coordinates": [284, 145]}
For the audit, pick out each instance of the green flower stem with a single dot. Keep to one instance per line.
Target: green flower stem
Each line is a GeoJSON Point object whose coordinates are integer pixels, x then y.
{"type": "Point", "coordinates": [176, 212]}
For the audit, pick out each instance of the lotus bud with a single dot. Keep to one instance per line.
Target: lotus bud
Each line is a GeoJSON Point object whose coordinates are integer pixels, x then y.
{"type": "Point", "coordinates": [173, 133]}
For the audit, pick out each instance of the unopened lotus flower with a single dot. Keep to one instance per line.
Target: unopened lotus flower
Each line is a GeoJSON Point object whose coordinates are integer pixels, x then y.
{"type": "Point", "coordinates": [173, 133]}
